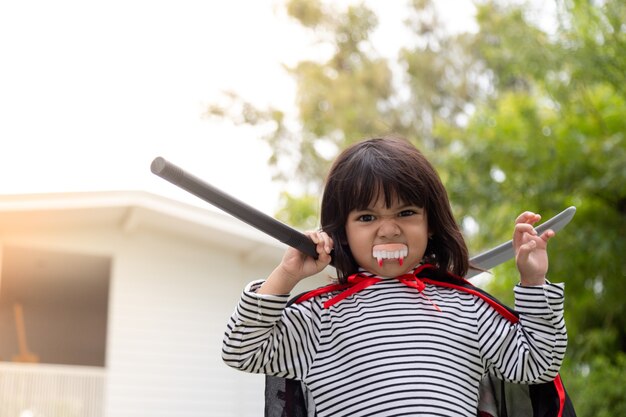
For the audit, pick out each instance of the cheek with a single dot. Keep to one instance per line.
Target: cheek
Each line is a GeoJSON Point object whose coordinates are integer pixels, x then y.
{"type": "Point", "coordinates": [420, 238]}
{"type": "Point", "coordinates": [359, 246]}
{"type": "Point", "coordinates": [355, 244]}
{"type": "Point", "coordinates": [353, 234]}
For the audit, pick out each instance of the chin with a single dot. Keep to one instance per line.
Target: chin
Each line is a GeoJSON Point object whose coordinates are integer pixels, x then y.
{"type": "Point", "coordinates": [392, 270]}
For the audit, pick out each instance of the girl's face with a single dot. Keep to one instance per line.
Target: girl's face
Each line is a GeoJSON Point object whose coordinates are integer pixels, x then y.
{"type": "Point", "coordinates": [388, 241]}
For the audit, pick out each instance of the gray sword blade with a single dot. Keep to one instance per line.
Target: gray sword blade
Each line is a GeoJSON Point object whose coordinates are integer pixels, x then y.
{"type": "Point", "coordinates": [504, 252]}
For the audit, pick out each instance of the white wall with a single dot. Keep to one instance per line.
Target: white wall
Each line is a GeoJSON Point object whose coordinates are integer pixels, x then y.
{"type": "Point", "coordinates": [170, 298]}
{"type": "Point", "coordinates": [170, 301]}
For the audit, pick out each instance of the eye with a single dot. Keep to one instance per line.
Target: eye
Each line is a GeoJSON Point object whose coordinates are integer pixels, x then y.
{"type": "Point", "coordinates": [365, 218]}
{"type": "Point", "coordinates": [406, 213]}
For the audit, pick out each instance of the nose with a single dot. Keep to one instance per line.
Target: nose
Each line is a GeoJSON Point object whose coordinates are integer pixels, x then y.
{"type": "Point", "coordinates": [388, 227]}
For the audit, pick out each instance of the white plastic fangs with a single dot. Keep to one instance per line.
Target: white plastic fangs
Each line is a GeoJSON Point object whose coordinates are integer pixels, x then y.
{"type": "Point", "coordinates": [397, 251]}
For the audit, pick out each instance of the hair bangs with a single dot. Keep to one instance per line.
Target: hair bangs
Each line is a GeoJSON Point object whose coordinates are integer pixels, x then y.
{"type": "Point", "coordinates": [392, 183]}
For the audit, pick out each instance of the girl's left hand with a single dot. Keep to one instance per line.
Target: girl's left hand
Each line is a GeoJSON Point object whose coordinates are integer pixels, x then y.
{"type": "Point", "coordinates": [531, 255]}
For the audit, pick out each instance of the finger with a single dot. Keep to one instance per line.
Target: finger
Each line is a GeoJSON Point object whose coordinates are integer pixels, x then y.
{"type": "Point", "coordinates": [323, 242]}
{"type": "Point", "coordinates": [327, 241]}
{"type": "Point", "coordinates": [528, 217]}
{"type": "Point", "coordinates": [547, 235]}
{"type": "Point", "coordinates": [525, 250]}
{"type": "Point", "coordinates": [522, 228]}
{"type": "Point", "coordinates": [521, 232]}
{"type": "Point", "coordinates": [314, 236]}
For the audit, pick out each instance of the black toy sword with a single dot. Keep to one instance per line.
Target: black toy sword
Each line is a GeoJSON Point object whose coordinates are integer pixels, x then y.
{"type": "Point", "coordinates": [299, 240]}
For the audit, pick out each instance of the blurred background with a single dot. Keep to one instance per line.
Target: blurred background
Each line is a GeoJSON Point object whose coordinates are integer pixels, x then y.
{"type": "Point", "coordinates": [523, 109]}
{"type": "Point", "coordinates": [519, 104]}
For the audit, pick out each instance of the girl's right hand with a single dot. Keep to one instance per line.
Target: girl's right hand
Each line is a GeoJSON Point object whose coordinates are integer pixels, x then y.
{"type": "Point", "coordinates": [295, 266]}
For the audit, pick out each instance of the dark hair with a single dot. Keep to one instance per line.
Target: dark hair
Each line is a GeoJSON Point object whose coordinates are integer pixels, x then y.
{"type": "Point", "coordinates": [394, 168]}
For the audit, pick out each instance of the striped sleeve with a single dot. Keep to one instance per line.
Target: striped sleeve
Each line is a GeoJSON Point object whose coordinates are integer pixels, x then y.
{"type": "Point", "coordinates": [532, 350]}
{"type": "Point", "coordinates": [265, 336]}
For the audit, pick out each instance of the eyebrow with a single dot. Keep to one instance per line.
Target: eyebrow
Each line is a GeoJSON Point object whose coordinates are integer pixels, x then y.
{"type": "Point", "coordinates": [399, 208]}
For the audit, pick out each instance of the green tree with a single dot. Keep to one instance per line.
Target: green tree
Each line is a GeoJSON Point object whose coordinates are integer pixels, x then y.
{"type": "Point", "coordinates": [351, 95]}
{"type": "Point", "coordinates": [552, 135]}
{"type": "Point", "coordinates": [515, 118]}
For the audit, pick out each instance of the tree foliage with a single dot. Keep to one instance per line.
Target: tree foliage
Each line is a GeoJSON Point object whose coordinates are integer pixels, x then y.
{"type": "Point", "coordinates": [515, 118]}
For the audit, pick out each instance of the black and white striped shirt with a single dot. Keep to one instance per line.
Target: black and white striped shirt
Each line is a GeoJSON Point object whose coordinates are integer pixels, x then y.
{"type": "Point", "coordinates": [386, 350]}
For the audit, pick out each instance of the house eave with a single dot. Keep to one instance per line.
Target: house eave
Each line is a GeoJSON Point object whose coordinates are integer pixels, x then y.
{"type": "Point", "coordinates": [131, 212]}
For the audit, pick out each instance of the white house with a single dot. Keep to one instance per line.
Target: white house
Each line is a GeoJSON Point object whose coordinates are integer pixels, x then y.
{"type": "Point", "coordinates": [114, 304]}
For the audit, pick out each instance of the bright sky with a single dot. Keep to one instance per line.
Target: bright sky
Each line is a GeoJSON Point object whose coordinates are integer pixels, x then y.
{"type": "Point", "coordinates": [92, 91]}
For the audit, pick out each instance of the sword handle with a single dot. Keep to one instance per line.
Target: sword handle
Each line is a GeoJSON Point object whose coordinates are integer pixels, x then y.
{"type": "Point", "coordinates": [233, 206]}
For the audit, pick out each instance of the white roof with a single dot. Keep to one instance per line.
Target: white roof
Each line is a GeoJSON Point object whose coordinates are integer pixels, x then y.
{"type": "Point", "coordinates": [131, 211]}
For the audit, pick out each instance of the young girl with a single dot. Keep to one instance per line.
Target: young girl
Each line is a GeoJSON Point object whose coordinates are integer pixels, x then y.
{"type": "Point", "coordinates": [387, 343]}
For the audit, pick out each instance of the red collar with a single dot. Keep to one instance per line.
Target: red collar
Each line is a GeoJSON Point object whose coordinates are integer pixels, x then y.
{"type": "Point", "coordinates": [360, 281]}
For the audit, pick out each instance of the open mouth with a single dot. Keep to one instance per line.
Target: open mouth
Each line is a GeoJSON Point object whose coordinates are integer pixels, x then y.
{"type": "Point", "coordinates": [395, 251]}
